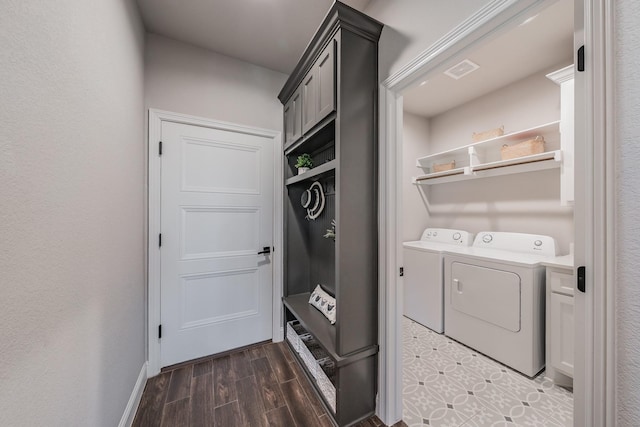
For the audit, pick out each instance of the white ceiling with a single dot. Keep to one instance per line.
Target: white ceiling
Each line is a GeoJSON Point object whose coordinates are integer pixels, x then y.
{"type": "Point", "coordinates": [270, 33]}
{"type": "Point", "coordinates": [542, 43]}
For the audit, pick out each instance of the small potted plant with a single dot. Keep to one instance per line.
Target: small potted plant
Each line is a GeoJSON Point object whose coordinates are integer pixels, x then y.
{"type": "Point", "coordinates": [304, 163]}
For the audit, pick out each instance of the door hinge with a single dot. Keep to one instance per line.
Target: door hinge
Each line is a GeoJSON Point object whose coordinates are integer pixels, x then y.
{"type": "Point", "coordinates": [581, 279]}
{"type": "Point", "coordinates": [160, 240]}
{"type": "Point", "coordinates": [581, 58]}
{"type": "Point", "coordinates": [401, 271]}
{"type": "Point", "coordinates": [159, 331]}
{"type": "Point", "coordinates": [160, 148]}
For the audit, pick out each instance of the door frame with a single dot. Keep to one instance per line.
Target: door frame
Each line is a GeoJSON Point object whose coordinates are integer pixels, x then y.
{"type": "Point", "coordinates": [594, 396]}
{"type": "Point", "coordinates": [156, 117]}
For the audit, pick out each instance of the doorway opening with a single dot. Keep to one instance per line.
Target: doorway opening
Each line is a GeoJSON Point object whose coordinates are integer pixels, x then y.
{"type": "Point", "coordinates": [477, 188]}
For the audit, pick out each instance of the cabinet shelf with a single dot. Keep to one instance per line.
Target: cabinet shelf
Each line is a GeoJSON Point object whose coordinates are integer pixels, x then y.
{"type": "Point", "coordinates": [317, 172]}
{"type": "Point", "coordinates": [534, 162]}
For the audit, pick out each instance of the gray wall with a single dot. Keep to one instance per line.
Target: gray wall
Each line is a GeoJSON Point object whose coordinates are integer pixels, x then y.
{"type": "Point", "coordinates": [71, 212]}
{"type": "Point", "coordinates": [627, 94]}
{"type": "Point", "coordinates": [186, 79]}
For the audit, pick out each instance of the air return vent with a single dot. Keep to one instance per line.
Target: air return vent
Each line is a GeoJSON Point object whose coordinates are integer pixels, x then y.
{"type": "Point", "coordinates": [461, 69]}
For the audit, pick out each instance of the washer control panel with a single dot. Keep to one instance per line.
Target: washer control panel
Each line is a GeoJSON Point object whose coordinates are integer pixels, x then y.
{"type": "Point", "coordinates": [445, 235]}
{"type": "Point", "coordinates": [533, 244]}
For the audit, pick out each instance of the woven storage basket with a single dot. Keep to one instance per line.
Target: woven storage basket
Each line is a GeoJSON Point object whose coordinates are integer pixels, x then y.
{"type": "Point", "coordinates": [443, 166]}
{"type": "Point", "coordinates": [294, 330]}
{"type": "Point", "coordinates": [307, 345]}
{"type": "Point", "coordinates": [325, 383]}
{"type": "Point", "coordinates": [487, 134]}
{"type": "Point", "coordinates": [524, 148]}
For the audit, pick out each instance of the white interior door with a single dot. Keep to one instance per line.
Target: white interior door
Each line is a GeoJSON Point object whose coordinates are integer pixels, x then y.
{"type": "Point", "coordinates": [216, 215]}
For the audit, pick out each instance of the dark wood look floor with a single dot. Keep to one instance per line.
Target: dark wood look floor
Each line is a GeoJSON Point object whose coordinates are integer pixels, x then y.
{"type": "Point", "coordinates": [261, 386]}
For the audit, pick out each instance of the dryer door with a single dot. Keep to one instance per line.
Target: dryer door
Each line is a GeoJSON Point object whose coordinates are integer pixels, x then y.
{"type": "Point", "coordinates": [487, 294]}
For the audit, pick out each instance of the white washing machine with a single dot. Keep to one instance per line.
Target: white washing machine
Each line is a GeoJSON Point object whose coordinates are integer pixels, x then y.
{"type": "Point", "coordinates": [423, 286]}
{"type": "Point", "coordinates": [495, 297]}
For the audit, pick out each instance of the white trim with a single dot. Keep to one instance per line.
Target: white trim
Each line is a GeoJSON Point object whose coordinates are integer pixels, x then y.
{"type": "Point", "coordinates": [595, 390]}
{"type": "Point", "coordinates": [495, 16]}
{"type": "Point", "coordinates": [278, 239]}
{"type": "Point", "coordinates": [134, 400]}
{"type": "Point", "coordinates": [389, 408]}
{"type": "Point", "coordinates": [156, 117]}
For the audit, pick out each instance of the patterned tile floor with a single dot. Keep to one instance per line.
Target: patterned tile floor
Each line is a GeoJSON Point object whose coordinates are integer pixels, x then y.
{"type": "Point", "coordinates": [448, 384]}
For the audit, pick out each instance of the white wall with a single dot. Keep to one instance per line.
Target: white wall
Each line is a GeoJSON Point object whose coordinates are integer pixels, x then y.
{"type": "Point", "coordinates": [627, 93]}
{"type": "Point", "coordinates": [71, 216]}
{"type": "Point", "coordinates": [186, 79]}
{"type": "Point", "coordinates": [411, 26]}
{"type": "Point", "coordinates": [414, 144]}
{"type": "Point", "coordinates": [525, 203]}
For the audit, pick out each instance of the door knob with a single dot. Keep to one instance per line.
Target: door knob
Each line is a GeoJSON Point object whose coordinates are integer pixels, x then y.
{"type": "Point", "coordinates": [265, 250]}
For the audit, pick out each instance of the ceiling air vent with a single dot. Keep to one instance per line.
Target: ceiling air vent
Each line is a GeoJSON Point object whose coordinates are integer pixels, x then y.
{"type": "Point", "coordinates": [460, 70]}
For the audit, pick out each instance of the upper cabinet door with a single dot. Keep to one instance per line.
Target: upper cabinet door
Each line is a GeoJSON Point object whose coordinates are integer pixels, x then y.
{"type": "Point", "coordinates": [296, 114]}
{"type": "Point", "coordinates": [288, 122]}
{"type": "Point", "coordinates": [309, 100]}
{"type": "Point", "coordinates": [325, 74]}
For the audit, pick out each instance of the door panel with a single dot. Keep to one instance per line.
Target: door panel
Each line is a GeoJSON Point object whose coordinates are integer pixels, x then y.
{"type": "Point", "coordinates": [563, 333]}
{"type": "Point", "coordinates": [216, 214]}
{"type": "Point", "coordinates": [487, 294]}
{"type": "Point", "coordinates": [296, 105]}
{"type": "Point", "coordinates": [326, 72]}
{"type": "Point", "coordinates": [309, 101]}
{"type": "Point", "coordinates": [206, 165]}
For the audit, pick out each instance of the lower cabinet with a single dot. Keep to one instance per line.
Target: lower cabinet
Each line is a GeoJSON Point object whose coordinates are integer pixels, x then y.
{"type": "Point", "coordinates": [560, 326]}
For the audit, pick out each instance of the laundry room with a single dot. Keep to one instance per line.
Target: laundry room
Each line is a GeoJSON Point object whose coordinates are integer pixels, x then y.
{"type": "Point", "coordinates": [488, 229]}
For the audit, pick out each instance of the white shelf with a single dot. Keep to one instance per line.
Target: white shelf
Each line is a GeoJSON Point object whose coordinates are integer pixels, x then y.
{"type": "Point", "coordinates": [547, 130]}
{"type": "Point", "coordinates": [535, 162]}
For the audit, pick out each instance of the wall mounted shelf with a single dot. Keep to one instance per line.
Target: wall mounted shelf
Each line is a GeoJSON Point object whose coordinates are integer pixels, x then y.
{"type": "Point", "coordinates": [482, 159]}
{"type": "Point", "coordinates": [317, 172]}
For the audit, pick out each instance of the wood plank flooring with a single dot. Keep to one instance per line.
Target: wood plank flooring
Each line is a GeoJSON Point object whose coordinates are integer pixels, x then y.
{"type": "Point", "coordinates": [260, 386]}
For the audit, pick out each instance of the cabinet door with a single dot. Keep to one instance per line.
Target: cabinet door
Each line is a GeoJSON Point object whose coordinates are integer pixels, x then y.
{"type": "Point", "coordinates": [296, 115]}
{"type": "Point", "coordinates": [288, 122]}
{"type": "Point", "coordinates": [325, 73]}
{"type": "Point", "coordinates": [562, 333]}
{"type": "Point", "coordinates": [309, 100]}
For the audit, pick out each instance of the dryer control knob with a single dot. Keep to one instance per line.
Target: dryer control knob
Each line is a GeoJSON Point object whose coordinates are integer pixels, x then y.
{"type": "Point", "coordinates": [457, 236]}
{"type": "Point", "coordinates": [487, 238]}
{"type": "Point", "coordinates": [538, 243]}
{"type": "Point", "coordinates": [435, 233]}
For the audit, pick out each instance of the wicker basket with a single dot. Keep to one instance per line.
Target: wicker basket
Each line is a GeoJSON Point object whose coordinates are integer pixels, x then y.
{"type": "Point", "coordinates": [443, 166]}
{"type": "Point", "coordinates": [307, 344]}
{"type": "Point", "coordinates": [524, 148]}
{"type": "Point", "coordinates": [293, 336]}
{"type": "Point", "coordinates": [487, 134]}
{"type": "Point", "coordinates": [325, 383]}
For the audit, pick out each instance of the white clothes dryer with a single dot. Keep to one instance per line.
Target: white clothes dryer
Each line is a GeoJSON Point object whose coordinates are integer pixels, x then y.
{"type": "Point", "coordinates": [423, 285]}
{"type": "Point", "coordinates": [495, 297]}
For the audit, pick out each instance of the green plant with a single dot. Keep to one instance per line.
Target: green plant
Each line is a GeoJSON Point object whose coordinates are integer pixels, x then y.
{"type": "Point", "coordinates": [304, 161]}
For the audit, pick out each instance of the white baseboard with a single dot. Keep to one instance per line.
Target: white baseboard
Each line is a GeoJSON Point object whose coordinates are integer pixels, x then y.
{"type": "Point", "coordinates": [134, 399]}
{"type": "Point", "coordinates": [279, 336]}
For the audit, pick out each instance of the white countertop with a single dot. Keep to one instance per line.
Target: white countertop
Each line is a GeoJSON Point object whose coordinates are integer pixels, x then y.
{"type": "Point", "coordinates": [564, 261]}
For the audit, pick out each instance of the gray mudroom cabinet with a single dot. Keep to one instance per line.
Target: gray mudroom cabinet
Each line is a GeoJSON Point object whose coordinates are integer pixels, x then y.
{"type": "Point", "coordinates": [330, 112]}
